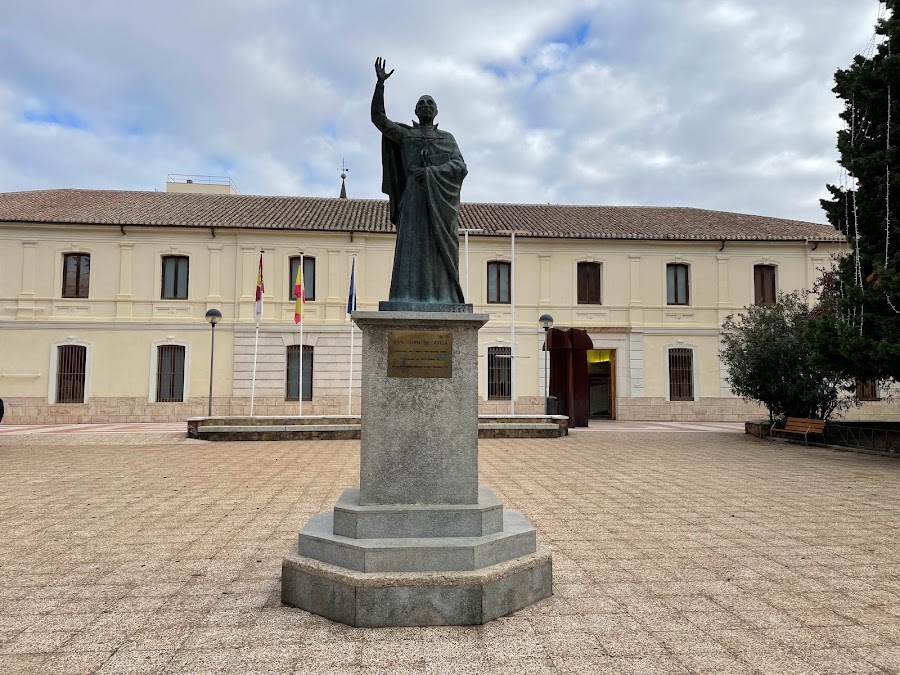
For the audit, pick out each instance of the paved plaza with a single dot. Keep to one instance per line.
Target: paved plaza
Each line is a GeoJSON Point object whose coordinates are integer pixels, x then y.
{"type": "Point", "coordinates": [674, 551]}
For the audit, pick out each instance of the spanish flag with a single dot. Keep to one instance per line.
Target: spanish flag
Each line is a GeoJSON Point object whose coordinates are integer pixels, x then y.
{"type": "Point", "coordinates": [300, 293]}
{"type": "Point", "coordinates": [260, 289]}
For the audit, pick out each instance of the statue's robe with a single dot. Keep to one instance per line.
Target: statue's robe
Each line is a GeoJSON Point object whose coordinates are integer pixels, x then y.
{"type": "Point", "coordinates": [426, 213]}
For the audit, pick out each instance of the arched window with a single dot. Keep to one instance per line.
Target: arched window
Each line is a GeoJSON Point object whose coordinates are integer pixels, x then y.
{"type": "Point", "coordinates": [174, 277]}
{"type": "Point", "coordinates": [498, 282]}
{"type": "Point", "coordinates": [499, 373]}
{"type": "Point", "coordinates": [294, 353]}
{"type": "Point", "coordinates": [76, 275]}
{"type": "Point", "coordinates": [681, 374]}
{"type": "Point", "coordinates": [677, 284]}
{"type": "Point", "coordinates": [170, 373]}
{"type": "Point", "coordinates": [309, 277]}
{"type": "Point", "coordinates": [71, 373]}
{"type": "Point", "coordinates": [764, 290]}
{"type": "Point", "coordinates": [589, 280]}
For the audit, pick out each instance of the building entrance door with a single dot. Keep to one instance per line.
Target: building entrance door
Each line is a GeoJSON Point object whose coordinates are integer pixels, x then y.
{"type": "Point", "coordinates": [569, 373]}
{"type": "Point", "coordinates": [601, 364]}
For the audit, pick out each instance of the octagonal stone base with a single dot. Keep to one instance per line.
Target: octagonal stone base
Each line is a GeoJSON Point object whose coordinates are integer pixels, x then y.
{"type": "Point", "coordinates": [375, 600]}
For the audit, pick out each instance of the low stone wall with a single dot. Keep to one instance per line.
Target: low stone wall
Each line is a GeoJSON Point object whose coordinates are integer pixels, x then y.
{"type": "Point", "coordinates": [759, 428]}
{"type": "Point", "coordinates": [704, 410]}
{"type": "Point", "coordinates": [123, 409]}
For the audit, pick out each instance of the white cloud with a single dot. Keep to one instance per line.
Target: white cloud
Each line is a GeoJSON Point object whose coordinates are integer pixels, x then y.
{"type": "Point", "coordinates": [713, 104]}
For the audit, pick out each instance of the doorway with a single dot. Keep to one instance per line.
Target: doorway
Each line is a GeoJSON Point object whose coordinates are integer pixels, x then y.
{"type": "Point", "coordinates": [601, 365]}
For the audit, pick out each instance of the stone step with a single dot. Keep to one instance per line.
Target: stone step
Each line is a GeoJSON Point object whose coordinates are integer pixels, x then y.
{"type": "Point", "coordinates": [428, 554]}
{"type": "Point", "coordinates": [238, 428]}
{"type": "Point", "coordinates": [384, 521]}
{"type": "Point", "coordinates": [293, 431]}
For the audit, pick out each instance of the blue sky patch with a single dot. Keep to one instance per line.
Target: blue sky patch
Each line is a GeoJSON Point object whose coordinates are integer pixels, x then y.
{"type": "Point", "coordinates": [61, 118]}
{"type": "Point", "coordinates": [575, 36]}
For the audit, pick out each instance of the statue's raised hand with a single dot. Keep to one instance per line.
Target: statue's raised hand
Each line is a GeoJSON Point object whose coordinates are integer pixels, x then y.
{"type": "Point", "coordinates": [380, 65]}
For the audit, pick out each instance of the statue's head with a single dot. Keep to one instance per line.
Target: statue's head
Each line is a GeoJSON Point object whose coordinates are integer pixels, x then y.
{"type": "Point", "coordinates": [426, 109]}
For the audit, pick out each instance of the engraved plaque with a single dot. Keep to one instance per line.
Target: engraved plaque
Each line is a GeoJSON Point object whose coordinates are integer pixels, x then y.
{"type": "Point", "coordinates": [420, 353]}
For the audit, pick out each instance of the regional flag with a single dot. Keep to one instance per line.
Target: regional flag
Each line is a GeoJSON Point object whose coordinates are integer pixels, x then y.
{"type": "Point", "coordinates": [300, 293]}
{"type": "Point", "coordinates": [260, 289]}
{"type": "Point", "coordinates": [351, 298]}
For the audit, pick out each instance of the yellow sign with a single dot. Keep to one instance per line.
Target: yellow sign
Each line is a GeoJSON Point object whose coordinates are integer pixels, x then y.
{"type": "Point", "coordinates": [420, 353]}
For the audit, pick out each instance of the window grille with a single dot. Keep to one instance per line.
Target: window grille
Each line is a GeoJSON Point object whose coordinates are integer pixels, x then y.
{"type": "Point", "coordinates": [764, 284]}
{"type": "Point", "coordinates": [681, 374]}
{"type": "Point", "coordinates": [677, 284]}
{"type": "Point", "coordinates": [293, 372]}
{"type": "Point", "coordinates": [174, 277]}
{"type": "Point", "coordinates": [170, 373]}
{"type": "Point", "coordinates": [498, 282]}
{"type": "Point", "coordinates": [867, 389]}
{"type": "Point", "coordinates": [499, 373]}
{"type": "Point", "coordinates": [309, 277]}
{"type": "Point", "coordinates": [589, 279]}
{"type": "Point", "coordinates": [70, 373]}
{"type": "Point", "coordinates": [76, 275]}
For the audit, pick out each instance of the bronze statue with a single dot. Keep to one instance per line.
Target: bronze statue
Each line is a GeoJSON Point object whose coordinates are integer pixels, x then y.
{"type": "Point", "coordinates": [423, 171]}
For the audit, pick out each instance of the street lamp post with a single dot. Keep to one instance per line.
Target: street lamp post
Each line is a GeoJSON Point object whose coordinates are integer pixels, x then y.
{"type": "Point", "coordinates": [213, 316]}
{"type": "Point", "coordinates": [546, 322]}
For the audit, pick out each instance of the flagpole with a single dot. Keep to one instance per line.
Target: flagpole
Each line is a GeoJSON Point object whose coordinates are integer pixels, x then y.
{"type": "Point", "coordinates": [350, 378]}
{"type": "Point", "coordinates": [351, 305]}
{"type": "Point", "coordinates": [256, 345]}
{"type": "Point", "coordinates": [512, 324]}
{"type": "Point", "coordinates": [253, 386]}
{"type": "Point", "coordinates": [302, 312]}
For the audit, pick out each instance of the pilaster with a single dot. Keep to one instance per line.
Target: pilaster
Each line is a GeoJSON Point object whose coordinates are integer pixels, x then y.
{"type": "Point", "coordinates": [125, 298]}
{"type": "Point", "coordinates": [25, 308]}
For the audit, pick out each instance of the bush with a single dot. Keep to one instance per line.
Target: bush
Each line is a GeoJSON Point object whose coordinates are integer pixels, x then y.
{"type": "Point", "coordinates": [770, 360]}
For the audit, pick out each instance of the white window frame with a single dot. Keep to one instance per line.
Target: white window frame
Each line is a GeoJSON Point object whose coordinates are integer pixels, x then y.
{"type": "Point", "coordinates": [158, 273]}
{"type": "Point", "coordinates": [603, 288]}
{"type": "Point", "coordinates": [58, 273]}
{"type": "Point", "coordinates": [54, 368]}
{"type": "Point", "coordinates": [695, 370]}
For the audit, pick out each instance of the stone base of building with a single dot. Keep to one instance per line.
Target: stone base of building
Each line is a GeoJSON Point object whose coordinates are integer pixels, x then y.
{"type": "Point", "coordinates": [130, 409]}
{"type": "Point", "coordinates": [722, 409]}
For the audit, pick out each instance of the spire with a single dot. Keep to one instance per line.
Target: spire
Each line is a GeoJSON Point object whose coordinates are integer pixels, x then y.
{"type": "Point", "coordinates": [343, 180]}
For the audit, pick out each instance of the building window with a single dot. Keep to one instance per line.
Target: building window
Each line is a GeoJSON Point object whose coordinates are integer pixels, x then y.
{"type": "Point", "coordinates": [764, 284]}
{"type": "Point", "coordinates": [170, 374]}
{"type": "Point", "coordinates": [70, 373]}
{"type": "Point", "coordinates": [589, 283]}
{"type": "Point", "coordinates": [309, 277]}
{"type": "Point", "coordinates": [677, 284]}
{"type": "Point", "coordinates": [498, 282]}
{"type": "Point", "coordinates": [867, 389]}
{"type": "Point", "coordinates": [681, 374]}
{"type": "Point", "coordinates": [293, 371]}
{"type": "Point", "coordinates": [174, 277]}
{"type": "Point", "coordinates": [76, 275]}
{"type": "Point", "coordinates": [499, 373]}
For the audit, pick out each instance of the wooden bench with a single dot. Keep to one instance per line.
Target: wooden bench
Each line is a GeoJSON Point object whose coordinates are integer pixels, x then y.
{"type": "Point", "coordinates": [799, 426]}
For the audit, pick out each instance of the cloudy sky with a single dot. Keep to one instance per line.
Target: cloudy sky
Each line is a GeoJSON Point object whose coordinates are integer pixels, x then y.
{"type": "Point", "coordinates": [721, 104]}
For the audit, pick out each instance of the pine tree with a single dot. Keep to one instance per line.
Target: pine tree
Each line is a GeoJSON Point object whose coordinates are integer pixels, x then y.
{"type": "Point", "coordinates": [858, 329]}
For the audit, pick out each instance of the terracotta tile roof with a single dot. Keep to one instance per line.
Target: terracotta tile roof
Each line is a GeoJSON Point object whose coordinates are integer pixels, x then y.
{"type": "Point", "coordinates": [119, 207]}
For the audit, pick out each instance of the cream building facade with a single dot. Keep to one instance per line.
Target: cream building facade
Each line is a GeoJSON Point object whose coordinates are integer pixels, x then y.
{"type": "Point", "coordinates": [103, 296]}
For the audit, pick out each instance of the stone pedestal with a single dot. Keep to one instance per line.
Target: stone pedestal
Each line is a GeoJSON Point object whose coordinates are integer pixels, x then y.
{"type": "Point", "coordinates": [419, 543]}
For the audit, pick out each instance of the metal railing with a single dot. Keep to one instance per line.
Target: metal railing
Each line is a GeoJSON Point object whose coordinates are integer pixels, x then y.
{"type": "Point", "coordinates": [201, 180]}
{"type": "Point", "coordinates": [865, 438]}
